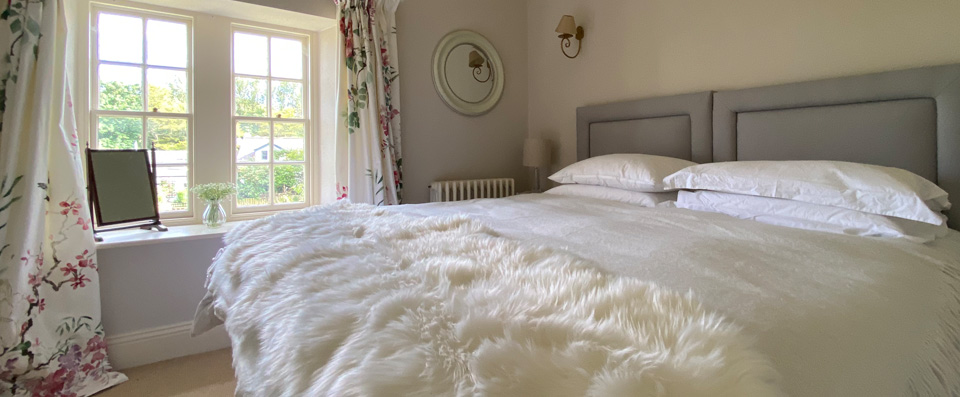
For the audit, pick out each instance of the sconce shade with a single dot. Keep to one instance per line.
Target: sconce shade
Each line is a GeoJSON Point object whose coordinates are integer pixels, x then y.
{"type": "Point", "coordinates": [535, 152]}
{"type": "Point", "coordinates": [476, 60]}
{"type": "Point", "coordinates": [567, 26]}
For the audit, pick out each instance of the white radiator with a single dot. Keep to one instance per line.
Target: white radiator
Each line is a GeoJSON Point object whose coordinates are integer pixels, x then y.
{"type": "Point", "coordinates": [471, 189]}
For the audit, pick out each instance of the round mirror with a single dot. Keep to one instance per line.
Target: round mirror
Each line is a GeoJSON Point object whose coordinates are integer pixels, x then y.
{"type": "Point", "coordinates": [468, 73]}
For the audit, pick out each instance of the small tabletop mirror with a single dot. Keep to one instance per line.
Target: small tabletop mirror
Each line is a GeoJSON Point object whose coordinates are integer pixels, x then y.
{"type": "Point", "coordinates": [468, 73]}
{"type": "Point", "coordinates": [123, 192]}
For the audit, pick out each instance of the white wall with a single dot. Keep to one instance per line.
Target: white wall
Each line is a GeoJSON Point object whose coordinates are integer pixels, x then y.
{"type": "Point", "coordinates": [439, 143]}
{"type": "Point", "coordinates": [646, 48]}
{"type": "Point", "coordinates": [150, 286]}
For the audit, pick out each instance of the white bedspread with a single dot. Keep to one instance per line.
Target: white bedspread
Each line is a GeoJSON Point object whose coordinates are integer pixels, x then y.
{"type": "Point", "coordinates": [838, 315]}
{"type": "Point", "coordinates": [350, 300]}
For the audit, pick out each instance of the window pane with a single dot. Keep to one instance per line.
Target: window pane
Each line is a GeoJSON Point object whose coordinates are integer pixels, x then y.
{"type": "Point", "coordinates": [121, 88]}
{"type": "Point", "coordinates": [167, 90]}
{"type": "Point", "coordinates": [119, 132]}
{"type": "Point", "coordinates": [288, 182]}
{"type": "Point", "coordinates": [170, 137]}
{"type": "Point", "coordinates": [250, 54]}
{"type": "Point", "coordinates": [166, 43]}
{"type": "Point", "coordinates": [172, 191]}
{"type": "Point", "coordinates": [250, 97]}
{"type": "Point", "coordinates": [253, 185]}
{"type": "Point", "coordinates": [120, 38]}
{"type": "Point", "coordinates": [288, 141]}
{"type": "Point", "coordinates": [287, 99]}
{"type": "Point", "coordinates": [253, 141]}
{"type": "Point", "coordinates": [286, 58]}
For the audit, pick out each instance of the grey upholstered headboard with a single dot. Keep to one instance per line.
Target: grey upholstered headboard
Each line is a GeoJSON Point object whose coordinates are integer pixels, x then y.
{"type": "Point", "coordinates": [675, 126]}
{"type": "Point", "coordinates": [908, 119]}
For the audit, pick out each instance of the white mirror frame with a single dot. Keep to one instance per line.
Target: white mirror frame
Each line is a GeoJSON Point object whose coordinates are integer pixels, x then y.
{"type": "Point", "coordinates": [447, 44]}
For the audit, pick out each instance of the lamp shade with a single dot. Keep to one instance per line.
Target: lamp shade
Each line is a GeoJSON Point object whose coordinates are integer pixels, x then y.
{"type": "Point", "coordinates": [476, 60]}
{"type": "Point", "coordinates": [535, 152]}
{"type": "Point", "coordinates": [567, 26]}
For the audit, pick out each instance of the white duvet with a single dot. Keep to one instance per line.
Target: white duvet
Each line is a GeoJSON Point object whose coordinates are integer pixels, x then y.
{"type": "Point", "coordinates": [837, 315]}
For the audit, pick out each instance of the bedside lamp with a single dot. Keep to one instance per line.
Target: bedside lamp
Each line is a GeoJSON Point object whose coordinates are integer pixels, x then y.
{"type": "Point", "coordinates": [535, 155]}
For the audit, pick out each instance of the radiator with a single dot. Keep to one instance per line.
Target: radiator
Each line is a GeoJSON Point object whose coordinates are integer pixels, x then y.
{"type": "Point", "coordinates": [471, 189]}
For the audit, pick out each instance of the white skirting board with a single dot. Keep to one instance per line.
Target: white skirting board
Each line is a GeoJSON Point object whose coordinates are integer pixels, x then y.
{"type": "Point", "coordinates": [162, 343]}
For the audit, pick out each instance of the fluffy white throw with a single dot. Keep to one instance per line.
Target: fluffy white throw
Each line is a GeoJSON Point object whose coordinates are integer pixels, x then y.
{"type": "Point", "coordinates": [348, 300]}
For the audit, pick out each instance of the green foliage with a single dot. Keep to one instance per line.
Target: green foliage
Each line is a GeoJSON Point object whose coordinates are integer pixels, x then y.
{"type": "Point", "coordinates": [115, 95]}
{"type": "Point", "coordinates": [288, 155]}
{"type": "Point", "coordinates": [214, 191]}
{"type": "Point", "coordinates": [288, 100]}
{"type": "Point", "coordinates": [288, 180]}
{"type": "Point", "coordinates": [250, 97]}
{"type": "Point", "coordinates": [253, 129]}
{"type": "Point", "coordinates": [167, 134]}
{"type": "Point", "coordinates": [252, 185]}
{"type": "Point", "coordinates": [169, 99]}
{"type": "Point", "coordinates": [120, 133]}
{"type": "Point", "coordinates": [127, 132]}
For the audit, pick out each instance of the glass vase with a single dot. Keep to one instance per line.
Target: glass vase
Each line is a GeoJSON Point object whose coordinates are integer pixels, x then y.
{"type": "Point", "coordinates": [214, 216]}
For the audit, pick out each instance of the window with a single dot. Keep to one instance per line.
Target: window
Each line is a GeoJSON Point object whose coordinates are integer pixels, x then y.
{"type": "Point", "coordinates": [222, 100]}
{"type": "Point", "coordinates": [141, 71]}
{"type": "Point", "coordinates": [270, 119]}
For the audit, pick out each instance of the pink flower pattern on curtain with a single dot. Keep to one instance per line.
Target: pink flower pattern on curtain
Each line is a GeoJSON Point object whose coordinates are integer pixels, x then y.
{"type": "Point", "coordinates": [50, 333]}
{"type": "Point", "coordinates": [369, 163]}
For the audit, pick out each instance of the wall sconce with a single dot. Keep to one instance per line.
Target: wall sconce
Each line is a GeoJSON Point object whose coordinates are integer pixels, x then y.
{"type": "Point", "coordinates": [568, 28]}
{"type": "Point", "coordinates": [476, 62]}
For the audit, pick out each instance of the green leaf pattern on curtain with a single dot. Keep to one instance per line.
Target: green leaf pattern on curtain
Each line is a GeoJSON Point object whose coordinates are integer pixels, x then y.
{"type": "Point", "coordinates": [51, 339]}
{"type": "Point", "coordinates": [369, 163]}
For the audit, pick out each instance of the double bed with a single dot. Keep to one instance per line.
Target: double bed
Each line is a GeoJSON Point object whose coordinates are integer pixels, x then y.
{"type": "Point", "coordinates": [348, 300]}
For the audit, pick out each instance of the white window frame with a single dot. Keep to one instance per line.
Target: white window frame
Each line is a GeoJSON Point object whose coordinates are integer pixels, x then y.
{"type": "Point", "coordinates": [307, 121]}
{"type": "Point", "coordinates": [94, 88]}
{"type": "Point", "coordinates": [211, 125]}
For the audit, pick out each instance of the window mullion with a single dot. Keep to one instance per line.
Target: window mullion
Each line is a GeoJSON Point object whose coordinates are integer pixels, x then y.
{"type": "Point", "coordinates": [143, 67]}
{"type": "Point", "coordinates": [269, 83]}
{"type": "Point", "coordinates": [125, 113]}
{"type": "Point", "coordinates": [273, 188]}
{"type": "Point", "coordinates": [143, 121]}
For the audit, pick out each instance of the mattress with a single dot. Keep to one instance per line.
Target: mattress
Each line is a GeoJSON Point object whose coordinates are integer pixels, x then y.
{"type": "Point", "coordinates": [837, 315]}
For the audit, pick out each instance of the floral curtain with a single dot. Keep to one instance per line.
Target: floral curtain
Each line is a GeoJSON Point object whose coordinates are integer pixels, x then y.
{"type": "Point", "coordinates": [369, 165]}
{"type": "Point", "coordinates": [50, 333]}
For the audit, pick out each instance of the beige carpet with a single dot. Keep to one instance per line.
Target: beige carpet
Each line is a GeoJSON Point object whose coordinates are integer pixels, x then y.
{"type": "Point", "coordinates": [202, 375]}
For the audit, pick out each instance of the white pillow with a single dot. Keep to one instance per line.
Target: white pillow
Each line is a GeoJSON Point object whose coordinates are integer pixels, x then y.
{"type": "Point", "coordinates": [800, 215]}
{"type": "Point", "coordinates": [867, 188]}
{"type": "Point", "coordinates": [637, 172]}
{"type": "Point", "coordinates": [608, 193]}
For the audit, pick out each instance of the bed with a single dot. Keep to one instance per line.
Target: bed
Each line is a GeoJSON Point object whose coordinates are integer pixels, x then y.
{"type": "Point", "coordinates": [794, 312]}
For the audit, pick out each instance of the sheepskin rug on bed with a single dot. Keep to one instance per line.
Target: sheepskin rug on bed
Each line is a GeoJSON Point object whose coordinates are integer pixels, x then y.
{"type": "Point", "coordinates": [349, 300]}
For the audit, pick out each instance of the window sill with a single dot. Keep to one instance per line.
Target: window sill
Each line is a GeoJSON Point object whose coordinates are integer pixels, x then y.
{"type": "Point", "coordinates": [138, 237]}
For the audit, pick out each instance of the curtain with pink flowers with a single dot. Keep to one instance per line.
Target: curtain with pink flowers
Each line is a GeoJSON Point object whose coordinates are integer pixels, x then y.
{"type": "Point", "coordinates": [369, 163]}
{"type": "Point", "coordinates": [50, 334]}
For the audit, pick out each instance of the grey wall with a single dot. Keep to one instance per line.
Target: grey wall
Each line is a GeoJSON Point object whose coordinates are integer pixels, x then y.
{"type": "Point", "coordinates": [642, 49]}
{"type": "Point", "coordinates": [323, 8]}
{"type": "Point", "coordinates": [439, 143]}
{"type": "Point", "coordinates": [150, 286]}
